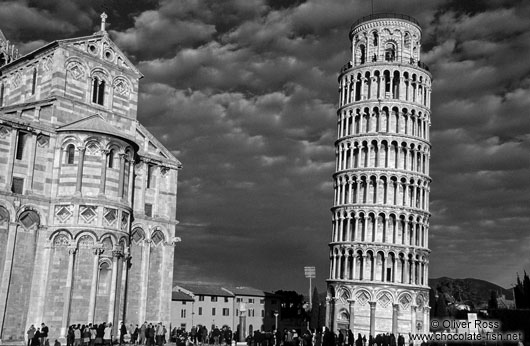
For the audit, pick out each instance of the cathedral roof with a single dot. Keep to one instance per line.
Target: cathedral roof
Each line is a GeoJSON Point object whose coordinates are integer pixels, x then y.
{"type": "Point", "coordinates": [95, 123]}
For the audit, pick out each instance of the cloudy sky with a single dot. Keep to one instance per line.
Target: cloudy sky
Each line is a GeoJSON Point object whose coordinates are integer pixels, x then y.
{"type": "Point", "coordinates": [244, 93]}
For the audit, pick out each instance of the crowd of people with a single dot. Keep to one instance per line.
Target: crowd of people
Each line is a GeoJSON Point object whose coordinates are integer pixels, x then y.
{"type": "Point", "coordinates": [149, 334]}
{"type": "Point", "coordinates": [200, 336]}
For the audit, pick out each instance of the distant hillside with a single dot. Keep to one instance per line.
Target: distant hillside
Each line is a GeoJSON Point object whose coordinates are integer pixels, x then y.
{"type": "Point", "coordinates": [468, 290]}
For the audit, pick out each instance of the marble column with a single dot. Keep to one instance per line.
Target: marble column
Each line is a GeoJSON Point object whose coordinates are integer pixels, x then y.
{"type": "Point", "coordinates": [372, 318]}
{"type": "Point", "coordinates": [114, 282]}
{"type": "Point", "coordinates": [6, 276]}
{"type": "Point", "coordinates": [94, 288]}
{"type": "Point", "coordinates": [351, 303]}
{"type": "Point", "coordinates": [395, 311]}
{"type": "Point", "coordinates": [68, 290]}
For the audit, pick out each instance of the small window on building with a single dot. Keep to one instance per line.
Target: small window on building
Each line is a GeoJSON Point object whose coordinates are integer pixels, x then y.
{"type": "Point", "coordinates": [151, 176]}
{"type": "Point", "coordinates": [34, 81]}
{"type": "Point", "coordinates": [251, 300]}
{"type": "Point", "coordinates": [18, 185]}
{"type": "Point", "coordinates": [214, 299]}
{"type": "Point", "coordinates": [213, 311]}
{"type": "Point", "coordinates": [262, 301]}
{"type": "Point", "coordinates": [184, 303]}
{"type": "Point", "coordinates": [226, 299]}
{"type": "Point", "coordinates": [149, 209]}
{"type": "Point", "coordinates": [201, 298]}
{"type": "Point", "coordinates": [262, 313]}
{"type": "Point", "coordinates": [226, 312]}
{"type": "Point", "coordinates": [239, 300]}
{"type": "Point", "coordinates": [183, 313]}
{"type": "Point", "coordinates": [200, 311]}
{"type": "Point", "coordinates": [70, 154]}
{"type": "Point", "coordinates": [21, 144]}
{"type": "Point", "coordinates": [183, 326]}
{"type": "Point", "coordinates": [237, 312]}
{"type": "Point", "coordinates": [98, 91]}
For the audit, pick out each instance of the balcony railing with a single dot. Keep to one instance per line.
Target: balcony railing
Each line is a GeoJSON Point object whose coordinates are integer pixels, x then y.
{"type": "Point", "coordinates": [384, 16]}
{"type": "Point", "coordinates": [374, 59]}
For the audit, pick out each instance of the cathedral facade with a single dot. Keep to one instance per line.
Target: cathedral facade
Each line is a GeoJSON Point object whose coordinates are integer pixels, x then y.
{"type": "Point", "coordinates": [87, 194]}
{"type": "Point", "coordinates": [379, 255]}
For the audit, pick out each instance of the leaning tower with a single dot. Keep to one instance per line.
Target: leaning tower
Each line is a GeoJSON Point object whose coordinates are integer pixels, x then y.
{"type": "Point", "coordinates": [379, 252]}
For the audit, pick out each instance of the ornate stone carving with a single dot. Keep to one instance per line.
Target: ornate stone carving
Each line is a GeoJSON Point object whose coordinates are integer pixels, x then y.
{"type": "Point", "coordinates": [76, 70]}
{"type": "Point", "coordinates": [4, 131]}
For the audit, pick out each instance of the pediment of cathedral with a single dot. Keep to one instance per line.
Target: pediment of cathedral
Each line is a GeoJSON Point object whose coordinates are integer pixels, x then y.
{"type": "Point", "coordinates": [101, 46]}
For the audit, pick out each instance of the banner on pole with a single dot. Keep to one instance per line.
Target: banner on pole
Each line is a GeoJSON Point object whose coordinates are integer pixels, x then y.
{"type": "Point", "coordinates": [310, 272]}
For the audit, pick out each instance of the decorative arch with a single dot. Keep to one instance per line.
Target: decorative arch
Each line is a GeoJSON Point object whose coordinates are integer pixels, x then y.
{"type": "Point", "coordinates": [85, 237]}
{"type": "Point", "coordinates": [405, 301]}
{"type": "Point", "coordinates": [122, 85]}
{"type": "Point", "coordinates": [7, 212]}
{"type": "Point", "coordinates": [384, 298]}
{"type": "Point", "coordinates": [157, 237]}
{"type": "Point", "coordinates": [93, 146]}
{"type": "Point", "coordinates": [76, 67]}
{"type": "Point", "coordinates": [343, 293]}
{"type": "Point", "coordinates": [30, 217]}
{"type": "Point", "coordinates": [362, 297]}
{"type": "Point", "coordinates": [61, 238]}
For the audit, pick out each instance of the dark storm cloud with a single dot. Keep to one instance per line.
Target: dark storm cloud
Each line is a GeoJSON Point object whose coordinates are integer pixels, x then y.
{"type": "Point", "coordinates": [244, 93]}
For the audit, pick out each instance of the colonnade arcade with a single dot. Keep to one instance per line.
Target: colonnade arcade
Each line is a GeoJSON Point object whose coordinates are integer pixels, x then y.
{"type": "Point", "coordinates": [367, 120]}
{"type": "Point", "coordinates": [411, 86]}
{"type": "Point", "coordinates": [380, 227]}
{"type": "Point", "coordinates": [381, 189]}
{"type": "Point", "coordinates": [394, 266]}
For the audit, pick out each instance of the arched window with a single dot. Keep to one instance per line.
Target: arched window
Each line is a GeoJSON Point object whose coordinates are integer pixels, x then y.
{"type": "Point", "coordinates": [110, 161]}
{"type": "Point", "coordinates": [98, 91]}
{"type": "Point", "coordinates": [362, 54]}
{"type": "Point", "coordinates": [70, 154]}
{"type": "Point", "coordinates": [376, 39]}
{"type": "Point", "coordinates": [390, 52]}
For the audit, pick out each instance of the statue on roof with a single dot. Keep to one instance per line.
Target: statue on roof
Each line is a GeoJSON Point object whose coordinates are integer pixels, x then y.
{"type": "Point", "coordinates": [8, 52]}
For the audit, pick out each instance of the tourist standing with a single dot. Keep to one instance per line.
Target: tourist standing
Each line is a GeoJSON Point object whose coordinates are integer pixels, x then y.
{"type": "Point", "coordinates": [107, 336]}
{"type": "Point", "coordinates": [43, 334]}
{"type": "Point", "coordinates": [31, 333]}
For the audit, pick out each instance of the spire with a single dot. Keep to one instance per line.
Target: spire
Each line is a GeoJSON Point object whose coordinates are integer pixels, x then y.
{"type": "Point", "coordinates": [103, 19]}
